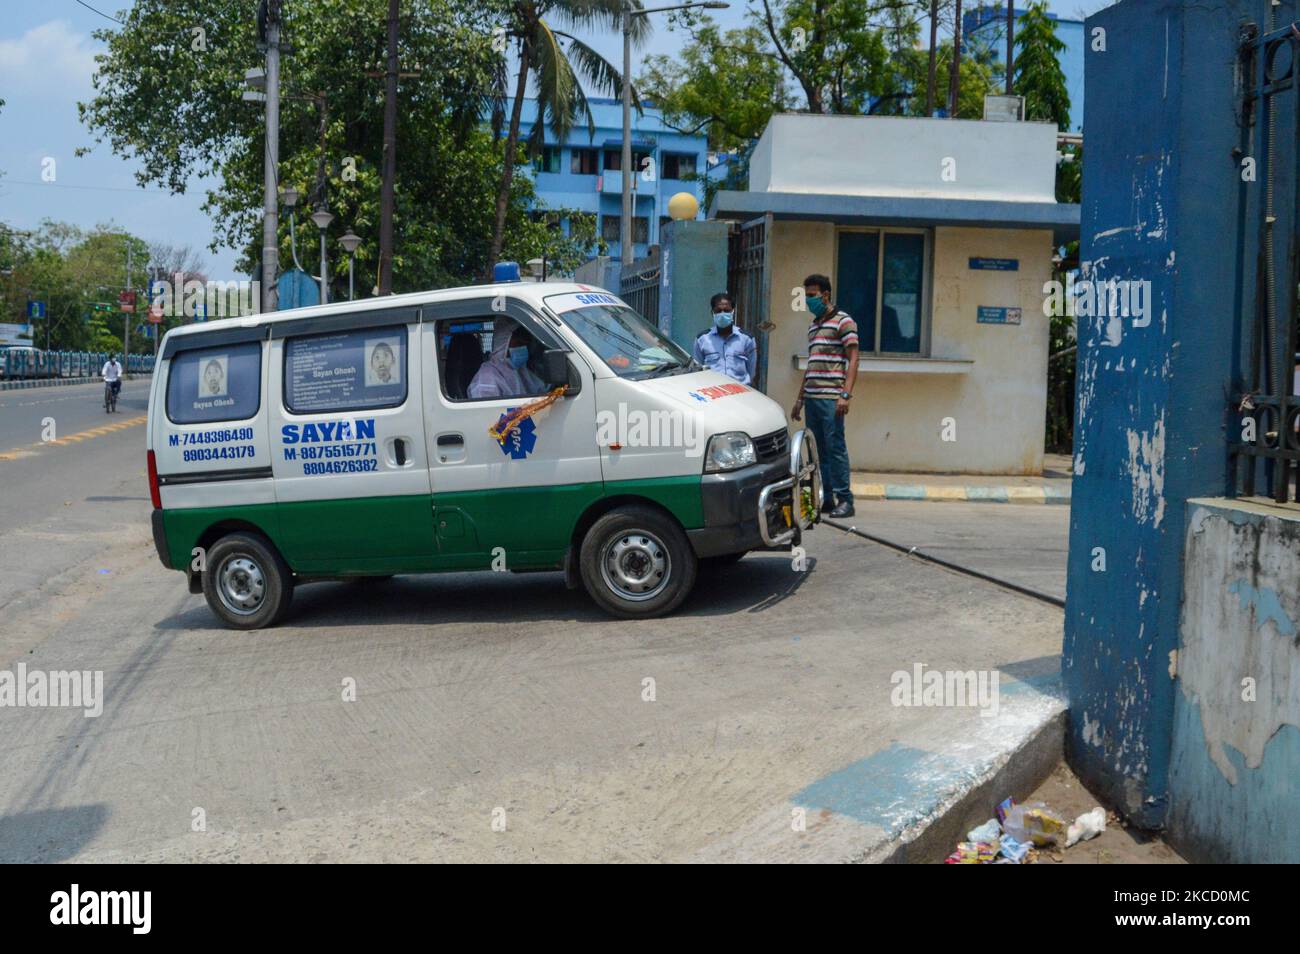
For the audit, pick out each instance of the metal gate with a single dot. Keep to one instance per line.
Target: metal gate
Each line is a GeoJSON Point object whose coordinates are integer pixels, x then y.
{"type": "Point", "coordinates": [1270, 66]}
{"type": "Point", "coordinates": [638, 285]}
{"type": "Point", "coordinates": [749, 279]}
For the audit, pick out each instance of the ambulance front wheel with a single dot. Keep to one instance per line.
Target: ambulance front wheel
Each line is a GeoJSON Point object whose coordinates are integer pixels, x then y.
{"type": "Point", "coordinates": [246, 582]}
{"type": "Point", "coordinates": [636, 563]}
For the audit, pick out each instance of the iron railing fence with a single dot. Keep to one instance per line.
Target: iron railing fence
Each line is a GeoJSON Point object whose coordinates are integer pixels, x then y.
{"type": "Point", "coordinates": [639, 287]}
{"type": "Point", "coordinates": [749, 282]}
{"type": "Point", "coordinates": [1268, 444]}
{"type": "Point", "coordinates": [22, 362]}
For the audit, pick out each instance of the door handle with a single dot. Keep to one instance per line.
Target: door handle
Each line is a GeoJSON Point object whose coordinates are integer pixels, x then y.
{"type": "Point", "coordinates": [398, 451]}
{"type": "Point", "coordinates": [451, 440]}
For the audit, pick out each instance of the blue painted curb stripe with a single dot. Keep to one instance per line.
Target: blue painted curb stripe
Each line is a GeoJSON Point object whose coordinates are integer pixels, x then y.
{"type": "Point", "coordinates": [948, 494]}
{"type": "Point", "coordinates": [904, 492]}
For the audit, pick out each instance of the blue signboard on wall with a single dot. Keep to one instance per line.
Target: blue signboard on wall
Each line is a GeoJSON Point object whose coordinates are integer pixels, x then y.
{"type": "Point", "coordinates": [995, 264]}
{"type": "Point", "coordinates": [989, 315]}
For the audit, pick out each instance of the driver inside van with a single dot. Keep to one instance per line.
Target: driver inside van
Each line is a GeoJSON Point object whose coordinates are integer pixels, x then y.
{"type": "Point", "coordinates": [506, 373]}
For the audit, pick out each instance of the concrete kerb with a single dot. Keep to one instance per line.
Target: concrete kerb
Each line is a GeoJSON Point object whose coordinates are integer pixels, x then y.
{"type": "Point", "coordinates": [946, 493]}
{"type": "Point", "coordinates": [59, 382]}
{"type": "Point", "coordinates": [1015, 772]}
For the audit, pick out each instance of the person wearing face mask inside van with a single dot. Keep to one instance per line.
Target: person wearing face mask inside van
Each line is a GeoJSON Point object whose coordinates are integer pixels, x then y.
{"type": "Point", "coordinates": [505, 374]}
{"type": "Point", "coordinates": [724, 347]}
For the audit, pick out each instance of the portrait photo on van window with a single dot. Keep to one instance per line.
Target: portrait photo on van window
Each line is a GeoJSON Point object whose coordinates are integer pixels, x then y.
{"type": "Point", "coordinates": [215, 384]}
{"type": "Point", "coordinates": [347, 371]}
{"type": "Point", "coordinates": [213, 381]}
{"type": "Point", "coordinates": [381, 362]}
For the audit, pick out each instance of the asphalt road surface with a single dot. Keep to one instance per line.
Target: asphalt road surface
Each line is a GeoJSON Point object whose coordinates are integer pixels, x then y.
{"type": "Point", "coordinates": [466, 717]}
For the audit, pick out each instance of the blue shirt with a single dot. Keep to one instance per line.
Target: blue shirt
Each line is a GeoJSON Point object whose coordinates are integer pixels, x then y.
{"type": "Point", "coordinates": [736, 355]}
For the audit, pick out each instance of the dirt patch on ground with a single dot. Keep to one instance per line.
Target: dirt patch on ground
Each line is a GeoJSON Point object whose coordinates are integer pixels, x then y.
{"type": "Point", "coordinates": [1117, 845]}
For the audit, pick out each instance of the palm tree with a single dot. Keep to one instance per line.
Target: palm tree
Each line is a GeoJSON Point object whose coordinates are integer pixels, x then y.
{"type": "Point", "coordinates": [554, 59]}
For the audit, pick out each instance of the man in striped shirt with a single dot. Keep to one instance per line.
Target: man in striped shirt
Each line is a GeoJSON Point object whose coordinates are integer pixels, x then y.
{"type": "Point", "coordinates": [826, 390]}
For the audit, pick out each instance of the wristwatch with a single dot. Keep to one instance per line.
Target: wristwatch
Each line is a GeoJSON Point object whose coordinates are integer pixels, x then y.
{"type": "Point", "coordinates": [845, 395]}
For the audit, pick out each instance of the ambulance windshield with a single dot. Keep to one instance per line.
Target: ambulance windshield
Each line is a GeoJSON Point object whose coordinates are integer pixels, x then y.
{"type": "Point", "coordinates": [631, 346]}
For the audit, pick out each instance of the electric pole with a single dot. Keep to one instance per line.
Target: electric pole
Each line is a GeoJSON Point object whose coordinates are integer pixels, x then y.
{"type": "Point", "coordinates": [269, 22]}
{"type": "Point", "coordinates": [126, 317]}
{"type": "Point", "coordinates": [934, 50]}
{"type": "Point", "coordinates": [390, 158]}
{"type": "Point", "coordinates": [956, 62]}
{"type": "Point", "coordinates": [1011, 40]}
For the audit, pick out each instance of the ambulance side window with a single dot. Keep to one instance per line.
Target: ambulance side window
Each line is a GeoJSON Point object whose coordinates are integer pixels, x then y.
{"type": "Point", "coordinates": [223, 383]}
{"type": "Point", "coordinates": [463, 345]}
{"type": "Point", "coordinates": [346, 371]}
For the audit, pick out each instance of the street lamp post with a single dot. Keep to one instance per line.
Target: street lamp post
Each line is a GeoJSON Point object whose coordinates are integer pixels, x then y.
{"type": "Point", "coordinates": [289, 196]}
{"type": "Point", "coordinates": [323, 217]}
{"type": "Point", "coordinates": [625, 220]}
{"type": "Point", "coordinates": [350, 241]}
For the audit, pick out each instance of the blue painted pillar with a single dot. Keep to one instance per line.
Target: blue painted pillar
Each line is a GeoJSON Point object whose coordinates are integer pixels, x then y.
{"type": "Point", "coordinates": [1164, 210]}
{"type": "Point", "coordinates": [694, 259]}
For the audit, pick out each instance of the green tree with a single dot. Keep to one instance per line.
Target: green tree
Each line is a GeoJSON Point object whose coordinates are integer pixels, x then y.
{"type": "Point", "coordinates": [553, 58]}
{"type": "Point", "coordinates": [170, 98]}
{"type": "Point", "coordinates": [841, 53]}
{"type": "Point", "coordinates": [1038, 76]}
{"type": "Point", "coordinates": [728, 84]}
{"type": "Point", "coordinates": [820, 56]}
{"type": "Point", "coordinates": [70, 269]}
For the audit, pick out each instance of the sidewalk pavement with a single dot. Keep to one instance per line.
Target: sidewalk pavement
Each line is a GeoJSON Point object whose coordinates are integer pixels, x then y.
{"type": "Point", "coordinates": [1053, 487]}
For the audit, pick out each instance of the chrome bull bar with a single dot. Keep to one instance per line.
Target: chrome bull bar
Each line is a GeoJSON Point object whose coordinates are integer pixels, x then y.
{"type": "Point", "coordinates": [805, 476]}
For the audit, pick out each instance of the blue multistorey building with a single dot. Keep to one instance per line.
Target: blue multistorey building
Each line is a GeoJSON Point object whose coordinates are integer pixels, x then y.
{"type": "Point", "coordinates": [584, 173]}
{"type": "Point", "coordinates": [986, 28]}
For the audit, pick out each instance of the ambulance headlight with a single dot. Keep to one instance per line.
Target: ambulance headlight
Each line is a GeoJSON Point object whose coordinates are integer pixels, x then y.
{"type": "Point", "coordinates": [728, 452]}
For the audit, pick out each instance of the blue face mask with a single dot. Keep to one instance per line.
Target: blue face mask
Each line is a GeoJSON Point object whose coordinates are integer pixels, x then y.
{"type": "Point", "coordinates": [816, 305]}
{"type": "Point", "coordinates": [518, 357]}
{"type": "Point", "coordinates": [723, 319]}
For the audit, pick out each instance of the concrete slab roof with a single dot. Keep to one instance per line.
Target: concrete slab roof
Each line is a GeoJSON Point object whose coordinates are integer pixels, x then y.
{"type": "Point", "coordinates": [914, 212]}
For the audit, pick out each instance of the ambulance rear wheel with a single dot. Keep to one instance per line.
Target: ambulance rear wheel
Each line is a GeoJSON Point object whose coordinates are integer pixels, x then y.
{"type": "Point", "coordinates": [636, 563]}
{"type": "Point", "coordinates": [246, 582]}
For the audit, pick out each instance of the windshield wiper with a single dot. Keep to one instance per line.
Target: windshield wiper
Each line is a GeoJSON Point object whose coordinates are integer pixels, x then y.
{"type": "Point", "coordinates": [663, 367]}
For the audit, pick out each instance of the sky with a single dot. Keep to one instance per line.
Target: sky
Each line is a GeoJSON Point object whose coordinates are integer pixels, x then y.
{"type": "Point", "coordinates": [46, 67]}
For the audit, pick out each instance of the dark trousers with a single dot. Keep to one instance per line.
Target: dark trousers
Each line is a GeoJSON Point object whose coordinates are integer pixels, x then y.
{"type": "Point", "coordinates": [828, 429]}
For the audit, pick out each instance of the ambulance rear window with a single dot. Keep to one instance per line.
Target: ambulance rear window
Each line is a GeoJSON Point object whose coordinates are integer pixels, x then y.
{"type": "Point", "coordinates": [215, 384]}
{"type": "Point", "coordinates": [348, 371]}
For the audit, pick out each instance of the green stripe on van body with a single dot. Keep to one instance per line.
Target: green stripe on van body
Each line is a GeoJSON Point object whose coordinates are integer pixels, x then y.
{"type": "Point", "coordinates": [358, 534]}
{"type": "Point", "coordinates": [512, 518]}
{"type": "Point", "coordinates": [543, 518]}
{"type": "Point", "coordinates": [405, 534]}
{"type": "Point", "coordinates": [185, 527]}
{"type": "Point", "coordinates": [683, 496]}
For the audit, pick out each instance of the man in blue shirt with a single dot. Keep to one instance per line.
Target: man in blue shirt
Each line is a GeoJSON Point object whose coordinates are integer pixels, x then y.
{"type": "Point", "coordinates": [724, 347]}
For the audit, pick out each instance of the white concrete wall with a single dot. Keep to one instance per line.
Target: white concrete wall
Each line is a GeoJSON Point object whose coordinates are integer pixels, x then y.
{"type": "Point", "coordinates": [906, 156]}
{"type": "Point", "coordinates": [895, 424]}
{"type": "Point", "coordinates": [1236, 743]}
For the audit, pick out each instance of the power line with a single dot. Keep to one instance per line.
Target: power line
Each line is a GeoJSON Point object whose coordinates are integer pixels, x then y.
{"type": "Point", "coordinates": [101, 12]}
{"type": "Point", "coordinates": [64, 185]}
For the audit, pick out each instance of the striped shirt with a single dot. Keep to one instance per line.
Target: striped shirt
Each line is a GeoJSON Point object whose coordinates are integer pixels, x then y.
{"type": "Point", "coordinates": [827, 364]}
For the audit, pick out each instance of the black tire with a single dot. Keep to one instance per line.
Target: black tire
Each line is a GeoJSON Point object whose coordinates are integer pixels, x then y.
{"type": "Point", "coordinates": [725, 559]}
{"type": "Point", "coordinates": [636, 563]}
{"type": "Point", "coordinates": [246, 564]}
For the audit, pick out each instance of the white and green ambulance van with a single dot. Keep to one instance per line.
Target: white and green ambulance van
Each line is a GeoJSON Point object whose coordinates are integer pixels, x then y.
{"type": "Point", "coordinates": [355, 440]}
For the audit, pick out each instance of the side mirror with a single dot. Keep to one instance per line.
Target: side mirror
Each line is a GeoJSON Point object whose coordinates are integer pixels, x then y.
{"type": "Point", "coordinates": [558, 371]}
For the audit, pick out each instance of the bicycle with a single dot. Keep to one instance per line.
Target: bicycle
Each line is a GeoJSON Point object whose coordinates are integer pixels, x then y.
{"type": "Point", "coordinates": [110, 396]}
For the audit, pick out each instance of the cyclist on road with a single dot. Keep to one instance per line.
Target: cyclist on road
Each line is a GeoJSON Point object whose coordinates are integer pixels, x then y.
{"type": "Point", "coordinates": [112, 375]}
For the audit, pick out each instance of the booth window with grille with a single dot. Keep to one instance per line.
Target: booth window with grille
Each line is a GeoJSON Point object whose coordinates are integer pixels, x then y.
{"type": "Point", "coordinates": [880, 282]}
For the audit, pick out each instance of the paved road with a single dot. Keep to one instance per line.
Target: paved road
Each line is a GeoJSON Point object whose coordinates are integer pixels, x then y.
{"type": "Point", "coordinates": [1024, 544]}
{"type": "Point", "coordinates": [478, 697]}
